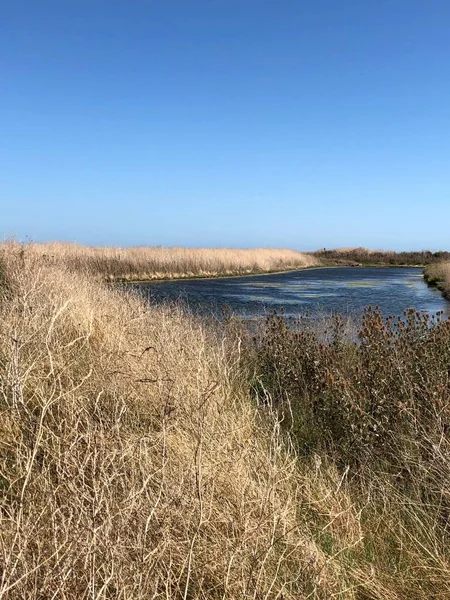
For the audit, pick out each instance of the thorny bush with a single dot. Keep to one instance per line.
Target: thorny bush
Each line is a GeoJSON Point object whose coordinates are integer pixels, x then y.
{"type": "Point", "coordinates": [356, 398]}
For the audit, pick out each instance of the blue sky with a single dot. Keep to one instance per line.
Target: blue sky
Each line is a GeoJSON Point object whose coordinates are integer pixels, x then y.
{"type": "Point", "coordinates": [241, 123]}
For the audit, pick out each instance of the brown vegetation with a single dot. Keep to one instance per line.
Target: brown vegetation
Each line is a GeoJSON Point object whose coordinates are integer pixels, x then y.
{"type": "Point", "coordinates": [135, 462]}
{"type": "Point", "coordinates": [438, 275]}
{"type": "Point", "coordinates": [378, 407]}
{"type": "Point", "coordinates": [132, 464]}
{"type": "Point", "coordinates": [146, 263]}
{"type": "Point", "coordinates": [364, 256]}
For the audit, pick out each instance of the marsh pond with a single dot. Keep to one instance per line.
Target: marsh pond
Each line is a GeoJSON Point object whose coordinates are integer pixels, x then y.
{"type": "Point", "coordinates": [345, 290]}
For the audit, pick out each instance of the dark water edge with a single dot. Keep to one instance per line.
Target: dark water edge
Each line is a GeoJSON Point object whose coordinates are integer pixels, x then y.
{"type": "Point", "coordinates": [336, 290]}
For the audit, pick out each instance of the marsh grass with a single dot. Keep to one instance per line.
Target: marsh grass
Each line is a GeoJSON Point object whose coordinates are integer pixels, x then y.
{"type": "Point", "coordinates": [132, 464]}
{"type": "Point", "coordinates": [145, 454]}
{"type": "Point", "coordinates": [438, 275]}
{"type": "Point", "coordinates": [146, 263]}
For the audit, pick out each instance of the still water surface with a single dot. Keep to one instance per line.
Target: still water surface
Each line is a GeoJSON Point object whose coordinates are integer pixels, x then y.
{"type": "Point", "coordinates": [345, 290]}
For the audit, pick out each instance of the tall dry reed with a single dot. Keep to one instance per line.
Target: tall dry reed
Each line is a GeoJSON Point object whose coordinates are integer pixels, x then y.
{"type": "Point", "coordinates": [438, 275]}
{"type": "Point", "coordinates": [146, 263]}
{"type": "Point", "coordinates": [131, 464]}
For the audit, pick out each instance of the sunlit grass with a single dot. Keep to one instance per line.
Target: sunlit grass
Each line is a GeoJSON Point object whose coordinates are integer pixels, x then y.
{"type": "Point", "coordinates": [438, 275]}
{"type": "Point", "coordinates": [146, 454]}
{"type": "Point", "coordinates": [147, 263]}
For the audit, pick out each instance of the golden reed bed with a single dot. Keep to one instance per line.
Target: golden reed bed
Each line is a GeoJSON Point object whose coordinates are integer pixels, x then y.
{"type": "Point", "coordinates": [439, 274]}
{"type": "Point", "coordinates": [147, 263]}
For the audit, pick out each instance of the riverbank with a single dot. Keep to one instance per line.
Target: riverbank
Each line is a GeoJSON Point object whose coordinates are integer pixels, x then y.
{"type": "Point", "coordinates": [147, 453]}
{"type": "Point", "coordinates": [158, 263]}
{"type": "Point", "coordinates": [147, 264]}
{"type": "Point", "coordinates": [276, 272]}
{"type": "Point", "coordinates": [438, 276]}
{"type": "Point", "coordinates": [236, 275]}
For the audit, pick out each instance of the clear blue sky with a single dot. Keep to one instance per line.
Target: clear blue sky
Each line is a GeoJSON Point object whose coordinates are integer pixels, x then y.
{"type": "Point", "coordinates": [226, 122]}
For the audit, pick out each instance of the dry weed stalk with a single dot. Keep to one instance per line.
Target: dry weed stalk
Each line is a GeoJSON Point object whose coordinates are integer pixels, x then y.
{"type": "Point", "coordinates": [129, 466]}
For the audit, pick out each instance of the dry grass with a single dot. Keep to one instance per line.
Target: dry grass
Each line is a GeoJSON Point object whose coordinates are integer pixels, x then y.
{"type": "Point", "coordinates": [138, 264]}
{"type": "Point", "coordinates": [438, 275]}
{"type": "Point", "coordinates": [133, 465]}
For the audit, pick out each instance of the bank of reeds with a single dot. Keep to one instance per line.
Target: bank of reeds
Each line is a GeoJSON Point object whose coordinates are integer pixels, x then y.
{"type": "Point", "coordinates": [147, 263]}
{"type": "Point", "coordinates": [145, 455]}
{"type": "Point", "coordinates": [438, 275]}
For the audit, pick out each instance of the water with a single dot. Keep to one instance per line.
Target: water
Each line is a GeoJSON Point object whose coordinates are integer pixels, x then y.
{"type": "Point", "coordinates": [344, 290]}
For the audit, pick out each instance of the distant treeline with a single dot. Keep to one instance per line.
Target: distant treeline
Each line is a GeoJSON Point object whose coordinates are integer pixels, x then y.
{"type": "Point", "coordinates": [357, 256]}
